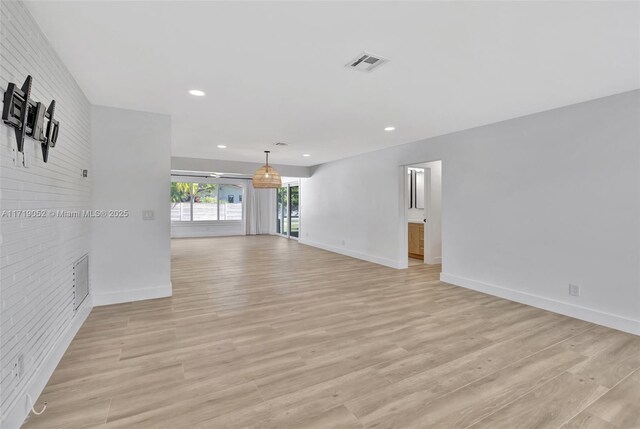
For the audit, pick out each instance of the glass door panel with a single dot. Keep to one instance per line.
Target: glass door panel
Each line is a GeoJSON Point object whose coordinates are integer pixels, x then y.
{"type": "Point", "coordinates": [287, 211]}
{"type": "Point", "coordinates": [282, 211]}
{"type": "Point", "coordinates": [294, 216]}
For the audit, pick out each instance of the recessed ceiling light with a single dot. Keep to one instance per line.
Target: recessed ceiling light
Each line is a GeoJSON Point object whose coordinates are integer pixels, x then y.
{"type": "Point", "coordinates": [196, 92]}
{"type": "Point", "coordinates": [389, 128]}
{"type": "Point", "coordinates": [221, 146]}
{"type": "Point", "coordinates": [306, 154]}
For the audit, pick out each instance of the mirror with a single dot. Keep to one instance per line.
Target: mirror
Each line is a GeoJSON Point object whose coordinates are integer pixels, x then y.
{"type": "Point", "coordinates": [416, 188]}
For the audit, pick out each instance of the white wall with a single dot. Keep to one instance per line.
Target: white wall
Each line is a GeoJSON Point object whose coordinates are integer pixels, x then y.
{"type": "Point", "coordinates": [355, 206]}
{"type": "Point", "coordinates": [37, 320]}
{"type": "Point", "coordinates": [529, 205]}
{"type": "Point", "coordinates": [131, 171]}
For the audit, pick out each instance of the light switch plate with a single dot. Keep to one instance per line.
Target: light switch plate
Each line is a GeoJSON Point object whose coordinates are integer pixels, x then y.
{"type": "Point", "coordinates": [148, 215]}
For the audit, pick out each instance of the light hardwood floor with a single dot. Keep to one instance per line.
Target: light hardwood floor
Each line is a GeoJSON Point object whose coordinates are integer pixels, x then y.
{"type": "Point", "coordinates": [263, 332]}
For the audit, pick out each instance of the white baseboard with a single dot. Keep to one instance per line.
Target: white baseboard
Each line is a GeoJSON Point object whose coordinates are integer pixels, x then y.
{"type": "Point", "coordinates": [583, 313]}
{"type": "Point", "coordinates": [355, 254]}
{"type": "Point", "coordinates": [141, 294]}
{"type": "Point", "coordinates": [19, 410]}
{"type": "Point", "coordinates": [204, 234]}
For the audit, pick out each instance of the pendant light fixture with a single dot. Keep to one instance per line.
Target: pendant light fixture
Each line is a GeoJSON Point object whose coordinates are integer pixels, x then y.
{"type": "Point", "coordinates": [266, 176]}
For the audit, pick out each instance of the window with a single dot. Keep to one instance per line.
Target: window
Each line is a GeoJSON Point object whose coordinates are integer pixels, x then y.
{"type": "Point", "coordinates": [230, 210]}
{"type": "Point", "coordinates": [205, 202]}
{"type": "Point", "coordinates": [181, 201]}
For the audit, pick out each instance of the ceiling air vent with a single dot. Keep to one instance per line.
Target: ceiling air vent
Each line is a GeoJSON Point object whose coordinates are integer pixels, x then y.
{"type": "Point", "coordinates": [366, 62]}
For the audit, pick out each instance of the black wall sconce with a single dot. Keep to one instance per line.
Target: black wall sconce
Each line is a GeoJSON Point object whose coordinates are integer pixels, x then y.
{"type": "Point", "coordinates": [29, 118]}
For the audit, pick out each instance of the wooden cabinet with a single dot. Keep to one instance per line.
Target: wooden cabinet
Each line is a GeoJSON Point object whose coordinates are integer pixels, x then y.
{"type": "Point", "coordinates": [416, 240]}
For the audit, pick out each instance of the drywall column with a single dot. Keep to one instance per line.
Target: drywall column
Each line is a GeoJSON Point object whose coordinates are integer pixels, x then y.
{"type": "Point", "coordinates": [131, 256]}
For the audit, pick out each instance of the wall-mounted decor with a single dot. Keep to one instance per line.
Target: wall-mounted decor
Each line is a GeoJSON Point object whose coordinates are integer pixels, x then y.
{"type": "Point", "coordinates": [30, 118]}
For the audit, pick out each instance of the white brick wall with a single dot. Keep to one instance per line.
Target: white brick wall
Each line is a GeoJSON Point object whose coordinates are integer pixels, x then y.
{"type": "Point", "coordinates": [36, 256]}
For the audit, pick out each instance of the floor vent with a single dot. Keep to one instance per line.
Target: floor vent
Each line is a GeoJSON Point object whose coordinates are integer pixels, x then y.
{"type": "Point", "coordinates": [366, 62]}
{"type": "Point", "coordinates": [80, 281]}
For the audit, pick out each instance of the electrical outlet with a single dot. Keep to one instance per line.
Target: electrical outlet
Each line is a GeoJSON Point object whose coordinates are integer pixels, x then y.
{"type": "Point", "coordinates": [574, 290]}
{"type": "Point", "coordinates": [14, 154]}
{"type": "Point", "coordinates": [25, 160]}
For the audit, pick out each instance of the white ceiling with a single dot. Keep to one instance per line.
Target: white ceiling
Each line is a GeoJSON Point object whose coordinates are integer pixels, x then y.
{"type": "Point", "coordinates": [274, 71]}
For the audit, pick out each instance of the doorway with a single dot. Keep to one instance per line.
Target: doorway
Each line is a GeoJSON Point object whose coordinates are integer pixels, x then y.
{"type": "Point", "coordinates": [423, 204]}
{"type": "Point", "coordinates": [288, 210]}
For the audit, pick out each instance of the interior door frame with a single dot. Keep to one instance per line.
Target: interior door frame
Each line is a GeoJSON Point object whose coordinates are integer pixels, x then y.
{"type": "Point", "coordinates": [428, 210]}
{"type": "Point", "coordinates": [427, 258]}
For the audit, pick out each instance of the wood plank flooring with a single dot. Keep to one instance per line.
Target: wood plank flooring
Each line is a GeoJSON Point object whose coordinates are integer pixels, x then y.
{"type": "Point", "coordinates": [263, 332]}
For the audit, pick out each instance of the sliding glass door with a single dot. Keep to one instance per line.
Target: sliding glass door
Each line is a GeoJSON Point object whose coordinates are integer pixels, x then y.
{"type": "Point", "coordinates": [282, 216]}
{"type": "Point", "coordinates": [294, 215]}
{"type": "Point", "coordinates": [287, 206]}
